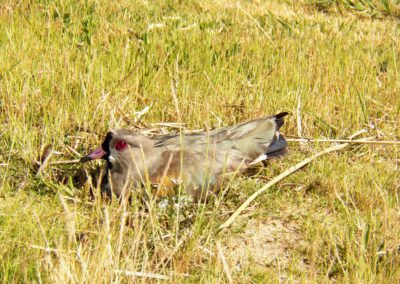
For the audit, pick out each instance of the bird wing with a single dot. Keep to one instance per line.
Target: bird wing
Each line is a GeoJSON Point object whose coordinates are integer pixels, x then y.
{"type": "Point", "coordinates": [250, 139]}
{"type": "Point", "coordinates": [206, 156]}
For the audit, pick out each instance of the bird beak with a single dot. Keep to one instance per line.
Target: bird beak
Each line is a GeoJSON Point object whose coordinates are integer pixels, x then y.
{"type": "Point", "coordinates": [96, 154]}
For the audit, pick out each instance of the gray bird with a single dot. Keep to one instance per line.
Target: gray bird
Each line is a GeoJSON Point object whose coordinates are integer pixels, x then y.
{"type": "Point", "coordinates": [199, 162]}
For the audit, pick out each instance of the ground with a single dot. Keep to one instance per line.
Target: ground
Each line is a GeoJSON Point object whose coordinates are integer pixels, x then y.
{"type": "Point", "coordinates": [72, 70]}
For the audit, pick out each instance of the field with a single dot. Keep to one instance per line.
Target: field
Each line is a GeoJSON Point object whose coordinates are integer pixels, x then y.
{"type": "Point", "coordinates": [72, 70]}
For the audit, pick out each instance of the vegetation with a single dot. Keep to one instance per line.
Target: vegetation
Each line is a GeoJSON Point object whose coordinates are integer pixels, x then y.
{"type": "Point", "coordinates": [71, 70]}
{"type": "Point", "coordinates": [374, 8]}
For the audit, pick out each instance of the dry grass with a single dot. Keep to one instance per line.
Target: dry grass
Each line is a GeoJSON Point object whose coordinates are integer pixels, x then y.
{"type": "Point", "coordinates": [71, 70]}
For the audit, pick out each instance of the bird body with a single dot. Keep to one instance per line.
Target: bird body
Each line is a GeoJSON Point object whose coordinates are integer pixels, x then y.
{"type": "Point", "coordinates": [199, 162]}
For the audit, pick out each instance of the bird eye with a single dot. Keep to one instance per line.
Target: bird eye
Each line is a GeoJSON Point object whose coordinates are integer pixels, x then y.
{"type": "Point", "coordinates": [120, 145]}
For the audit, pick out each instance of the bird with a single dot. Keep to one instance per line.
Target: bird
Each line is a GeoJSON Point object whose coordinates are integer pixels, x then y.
{"type": "Point", "coordinates": [199, 162]}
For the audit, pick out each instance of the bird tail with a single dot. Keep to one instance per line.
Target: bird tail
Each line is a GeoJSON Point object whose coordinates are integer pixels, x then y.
{"type": "Point", "coordinates": [269, 142]}
{"type": "Point", "coordinates": [278, 146]}
{"type": "Point", "coordinates": [256, 140]}
{"type": "Point", "coordinates": [279, 119]}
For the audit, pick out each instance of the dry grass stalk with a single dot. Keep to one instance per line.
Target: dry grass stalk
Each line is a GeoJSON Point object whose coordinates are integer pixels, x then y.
{"type": "Point", "coordinates": [45, 163]}
{"type": "Point", "coordinates": [142, 274]}
{"type": "Point", "coordinates": [303, 145]}
{"type": "Point", "coordinates": [379, 142]}
{"type": "Point", "coordinates": [224, 263]}
{"type": "Point", "coordinates": [48, 249]}
{"type": "Point", "coordinates": [255, 21]}
{"type": "Point", "coordinates": [66, 162]}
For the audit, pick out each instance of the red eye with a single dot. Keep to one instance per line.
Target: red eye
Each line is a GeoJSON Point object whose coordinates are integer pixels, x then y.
{"type": "Point", "coordinates": [120, 145]}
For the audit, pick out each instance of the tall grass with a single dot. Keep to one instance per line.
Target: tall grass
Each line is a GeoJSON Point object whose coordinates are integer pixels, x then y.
{"type": "Point", "coordinates": [71, 70]}
{"type": "Point", "coordinates": [374, 8]}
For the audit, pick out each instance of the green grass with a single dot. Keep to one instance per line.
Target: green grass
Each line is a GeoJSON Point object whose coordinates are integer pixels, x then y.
{"type": "Point", "coordinates": [369, 8]}
{"type": "Point", "coordinates": [71, 70]}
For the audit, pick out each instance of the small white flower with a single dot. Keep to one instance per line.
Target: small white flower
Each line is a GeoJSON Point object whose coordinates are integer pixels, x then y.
{"type": "Point", "coordinates": [163, 204]}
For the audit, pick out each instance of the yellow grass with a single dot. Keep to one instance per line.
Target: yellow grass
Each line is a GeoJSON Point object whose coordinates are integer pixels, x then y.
{"type": "Point", "coordinates": [71, 70]}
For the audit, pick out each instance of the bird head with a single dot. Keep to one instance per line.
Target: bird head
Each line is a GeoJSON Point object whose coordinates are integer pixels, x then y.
{"type": "Point", "coordinates": [120, 145]}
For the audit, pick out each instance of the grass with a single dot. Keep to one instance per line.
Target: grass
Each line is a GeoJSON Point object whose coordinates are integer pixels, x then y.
{"type": "Point", "coordinates": [71, 70]}
{"type": "Point", "coordinates": [370, 8]}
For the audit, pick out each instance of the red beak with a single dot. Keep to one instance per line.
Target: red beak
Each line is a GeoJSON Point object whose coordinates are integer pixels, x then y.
{"type": "Point", "coordinates": [96, 154]}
